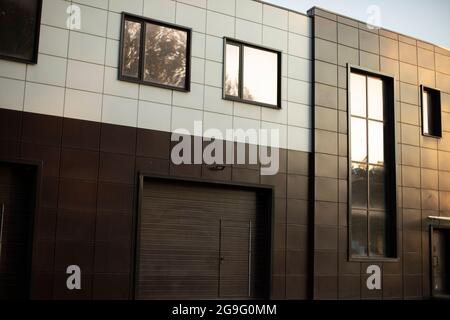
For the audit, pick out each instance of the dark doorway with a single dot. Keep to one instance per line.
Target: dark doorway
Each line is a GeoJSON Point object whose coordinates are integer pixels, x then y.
{"type": "Point", "coordinates": [440, 260]}
{"type": "Point", "coordinates": [203, 241]}
{"type": "Point", "coordinates": [17, 206]}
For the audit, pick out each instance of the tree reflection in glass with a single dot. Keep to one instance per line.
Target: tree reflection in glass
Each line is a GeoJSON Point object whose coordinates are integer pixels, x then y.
{"type": "Point", "coordinates": [165, 55]}
{"type": "Point", "coordinates": [232, 70]}
{"type": "Point", "coordinates": [377, 187]}
{"type": "Point", "coordinates": [131, 49]}
{"type": "Point", "coordinates": [359, 185]}
{"type": "Point", "coordinates": [359, 232]}
{"type": "Point", "coordinates": [377, 225]}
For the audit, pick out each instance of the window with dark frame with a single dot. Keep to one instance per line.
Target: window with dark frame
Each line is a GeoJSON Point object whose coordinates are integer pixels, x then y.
{"type": "Point", "coordinates": [252, 74]}
{"type": "Point", "coordinates": [155, 53]}
{"type": "Point", "coordinates": [431, 112]}
{"type": "Point", "coordinates": [19, 30]}
{"type": "Point", "coordinates": [372, 194]}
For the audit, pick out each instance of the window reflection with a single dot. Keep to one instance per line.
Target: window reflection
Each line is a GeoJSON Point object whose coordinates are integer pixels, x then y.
{"type": "Point", "coordinates": [359, 233]}
{"type": "Point", "coordinates": [375, 98]}
{"type": "Point", "coordinates": [232, 70]}
{"type": "Point", "coordinates": [377, 196]}
{"type": "Point", "coordinates": [359, 185]}
{"type": "Point", "coordinates": [131, 49]}
{"type": "Point", "coordinates": [165, 55]}
{"type": "Point", "coordinates": [426, 112]}
{"type": "Point", "coordinates": [377, 231]}
{"type": "Point", "coordinates": [358, 140]}
{"type": "Point", "coordinates": [358, 95]}
{"type": "Point", "coordinates": [376, 142]}
{"type": "Point", "coordinates": [260, 76]}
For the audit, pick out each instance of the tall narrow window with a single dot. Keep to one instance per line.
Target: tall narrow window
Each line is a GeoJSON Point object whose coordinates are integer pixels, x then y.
{"type": "Point", "coordinates": [19, 29]}
{"type": "Point", "coordinates": [252, 74]}
{"type": "Point", "coordinates": [155, 53]}
{"type": "Point", "coordinates": [372, 166]}
{"type": "Point", "coordinates": [431, 112]}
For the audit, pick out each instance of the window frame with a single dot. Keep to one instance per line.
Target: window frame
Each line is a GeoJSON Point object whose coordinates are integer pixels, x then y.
{"type": "Point", "coordinates": [438, 92]}
{"type": "Point", "coordinates": [36, 35]}
{"type": "Point", "coordinates": [390, 165]}
{"type": "Point", "coordinates": [239, 98]}
{"type": "Point", "coordinates": [140, 80]}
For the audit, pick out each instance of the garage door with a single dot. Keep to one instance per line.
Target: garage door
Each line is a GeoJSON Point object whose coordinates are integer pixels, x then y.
{"type": "Point", "coordinates": [202, 241]}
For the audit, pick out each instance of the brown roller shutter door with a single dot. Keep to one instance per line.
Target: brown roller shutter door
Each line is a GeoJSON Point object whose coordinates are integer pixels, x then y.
{"type": "Point", "coordinates": [202, 241]}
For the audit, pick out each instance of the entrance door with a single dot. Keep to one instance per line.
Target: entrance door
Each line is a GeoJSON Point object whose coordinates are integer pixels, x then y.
{"type": "Point", "coordinates": [17, 204]}
{"type": "Point", "coordinates": [196, 241]}
{"type": "Point", "coordinates": [441, 262]}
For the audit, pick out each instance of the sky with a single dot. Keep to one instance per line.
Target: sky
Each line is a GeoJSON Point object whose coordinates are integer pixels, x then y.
{"type": "Point", "coordinates": [427, 20]}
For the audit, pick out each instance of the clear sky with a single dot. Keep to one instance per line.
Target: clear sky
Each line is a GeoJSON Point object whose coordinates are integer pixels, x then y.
{"type": "Point", "coordinates": [428, 20]}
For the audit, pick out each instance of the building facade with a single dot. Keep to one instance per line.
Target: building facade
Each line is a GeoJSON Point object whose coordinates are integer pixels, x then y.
{"type": "Point", "coordinates": [99, 200]}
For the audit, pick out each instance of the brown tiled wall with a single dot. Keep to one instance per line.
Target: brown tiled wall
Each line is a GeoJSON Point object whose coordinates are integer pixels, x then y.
{"type": "Point", "coordinates": [424, 163]}
{"type": "Point", "coordinates": [88, 202]}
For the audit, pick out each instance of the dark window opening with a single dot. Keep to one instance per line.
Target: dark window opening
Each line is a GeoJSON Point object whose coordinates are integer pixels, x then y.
{"type": "Point", "coordinates": [252, 74]}
{"type": "Point", "coordinates": [155, 53]}
{"type": "Point", "coordinates": [431, 112]}
{"type": "Point", "coordinates": [372, 194]}
{"type": "Point", "coordinates": [19, 30]}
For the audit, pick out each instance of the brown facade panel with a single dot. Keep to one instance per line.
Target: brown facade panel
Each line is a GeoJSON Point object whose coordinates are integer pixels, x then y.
{"type": "Point", "coordinates": [89, 199]}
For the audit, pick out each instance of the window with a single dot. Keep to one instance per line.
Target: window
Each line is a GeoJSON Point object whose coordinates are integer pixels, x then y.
{"type": "Point", "coordinates": [431, 112]}
{"type": "Point", "coordinates": [252, 74]}
{"type": "Point", "coordinates": [372, 194]}
{"type": "Point", "coordinates": [155, 53]}
{"type": "Point", "coordinates": [19, 29]}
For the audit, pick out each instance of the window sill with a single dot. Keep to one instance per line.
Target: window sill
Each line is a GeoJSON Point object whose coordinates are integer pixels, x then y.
{"type": "Point", "coordinates": [259, 104]}
{"type": "Point", "coordinates": [373, 259]}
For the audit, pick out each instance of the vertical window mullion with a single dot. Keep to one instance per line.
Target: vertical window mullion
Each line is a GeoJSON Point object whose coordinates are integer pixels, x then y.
{"type": "Point", "coordinates": [241, 71]}
{"type": "Point", "coordinates": [368, 166]}
{"type": "Point", "coordinates": [142, 51]}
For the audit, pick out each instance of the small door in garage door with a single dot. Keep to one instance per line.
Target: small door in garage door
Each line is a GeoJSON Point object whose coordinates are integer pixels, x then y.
{"type": "Point", "coordinates": [17, 204]}
{"type": "Point", "coordinates": [202, 241]}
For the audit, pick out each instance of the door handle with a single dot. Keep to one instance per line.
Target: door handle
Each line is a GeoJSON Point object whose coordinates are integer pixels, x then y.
{"type": "Point", "coordinates": [435, 261]}
{"type": "Point", "coordinates": [222, 259]}
{"type": "Point", "coordinates": [2, 213]}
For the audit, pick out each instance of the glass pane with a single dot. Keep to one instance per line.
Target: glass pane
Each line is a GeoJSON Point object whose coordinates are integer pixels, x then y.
{"type": "Point", "coordinates": [232, 70]}
{"type": "Point", "coordinates": [358, 95]}
{"type": "Point", "coordinates": [375, 98]}
{"type": "Point", "coordinates": [359, 185]}
{"type": "Point", "coordinates": [131, 49]}
{"type": "Point", "coordinates": [18, 22]}
{"type": "Point", "coordinates": [377, 196]}
{"type": "Point", "coordinates": [359, 233]}
{"type": "Point", "coordinates": [359, 140]}
{"type": "Point", "coordinates": [377, 233]}
{"type": "Point", "coordinates": [426, 112]}
{"type": "Point", "coordinates": [260, 76]}
{"type": "Point", "coordinates": [376, 142]}
{"type": "Point", "coordinates": [165, 55]}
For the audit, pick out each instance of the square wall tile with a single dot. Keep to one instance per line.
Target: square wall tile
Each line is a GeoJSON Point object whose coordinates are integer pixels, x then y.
{"type": "Point", "coordinates": [220, 25]}
{"type": "Point", "coordinates": [192, 99]}
{"type": "Point", "coordinates": [248, 31]}
{"type": "Point", "coordinates": [116, 87]}
{"type": "Point", "coordinates": [299, 46]}
{"type": "Point", "coordinates": [299, 139]}
{"type": "Point", "coordinates": [225, 7]}
{"type": "Point", "coordinates": [215, 103]}
{"type": "Point", "coordinates": [214, 48]}
{"type": "Point", "coordinates": [131, 6]}
{"type": "Point", "coordinates": [83, 105]}
{"type": "Point", "coordinates": [155, 94]}
{"type": "Point", "coordinates": [275, 38]}
{"type": "Point", "coordinates": [93, 21]}
{"type": "Point", "coordinates": [154, 116]}
{"type": "Point", "coordinates": [12, 94]}
{"type": "Point", "coordinates": [44, 99]}
{"type": "Point", "coordinates": [249, 10]}
{"type": "Point", "coordinates": [53, 41]}
{"type": "Point", "coordinates": [192, 17]}
{"type": "Point", "coordinates": [300, 24]}
{"type": "Point", "coordinates": [114, 23]}
{"type": "Point", "coordinates": [275, 17]}
{"type": "Point", "coordinates": [85, 76]}
{"type": "Point", "coordinates": [54, 13]}
{"type": "Point", "coordinates": [160, 9]}
{"type": "Point", "coordinates": [87, 47]}
{"type": "Point", "coordinates": [120, 111]}
{"type": "Point", "coordinates": [183, 118]}
{"type": "Point", "coordinates": [49, 70]}
{"type": "Point", "coordinates": [213, 74]}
